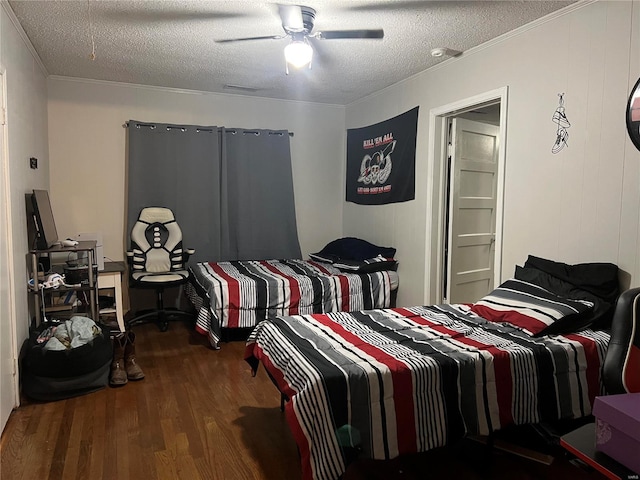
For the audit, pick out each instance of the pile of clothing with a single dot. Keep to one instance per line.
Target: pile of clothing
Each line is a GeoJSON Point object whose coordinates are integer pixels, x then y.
{"type": "Point", "coordinates": [72, 333]}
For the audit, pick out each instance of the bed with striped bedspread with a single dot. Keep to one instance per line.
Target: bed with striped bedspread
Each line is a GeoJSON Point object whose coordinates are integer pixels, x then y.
{"type": "Point", "coordinates": [239, 294]}
{"type": "Point", "coordinates": [407, 380]}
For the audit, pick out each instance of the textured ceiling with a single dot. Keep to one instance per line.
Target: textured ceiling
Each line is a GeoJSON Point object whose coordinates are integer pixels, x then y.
{"type": "Point", "coordinates": [172, 43]}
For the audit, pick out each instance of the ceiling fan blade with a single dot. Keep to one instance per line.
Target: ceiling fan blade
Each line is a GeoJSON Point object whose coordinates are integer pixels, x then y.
{"type": "Point", "coordinates": [334, 34]}
{"type": "Point", "coordinates": [147, 16]}
{"type": "Point", "coordinates": [407, 5]}
{"type": "Point", "coordinates": [291, 16]}
{"type": "Point", "coordinates": [266, 37]}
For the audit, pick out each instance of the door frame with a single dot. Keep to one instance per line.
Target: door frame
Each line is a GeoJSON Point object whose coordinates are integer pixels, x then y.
{"type": "Point", "coordinates": [436, 189]}
{"type": "Point", "coordinates": [7, 235]}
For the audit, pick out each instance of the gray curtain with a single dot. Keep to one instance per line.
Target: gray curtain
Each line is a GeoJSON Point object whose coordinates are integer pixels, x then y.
{"type": "Point", "coordinates": [257, 195]}
{"type": "Point", "coordinates": [231, 190]}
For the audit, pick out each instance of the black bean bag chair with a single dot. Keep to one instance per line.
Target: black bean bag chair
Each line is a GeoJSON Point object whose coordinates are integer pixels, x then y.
{"type": "Point", "coordinates": [48, 375]}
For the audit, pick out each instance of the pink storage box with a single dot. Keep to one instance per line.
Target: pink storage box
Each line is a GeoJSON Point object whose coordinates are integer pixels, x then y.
{"type": "Point", "coordinates": [618, 428]}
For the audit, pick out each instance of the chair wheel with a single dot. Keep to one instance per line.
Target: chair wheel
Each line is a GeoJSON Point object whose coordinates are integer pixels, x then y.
{"type": "Point", "coordinates": [164, 326]}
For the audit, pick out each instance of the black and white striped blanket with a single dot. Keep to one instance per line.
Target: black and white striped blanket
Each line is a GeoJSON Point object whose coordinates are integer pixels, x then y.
{"type": "Point", "coordinates": [407, 380]}
{"type": "Point", "coordinates": [240, 294]}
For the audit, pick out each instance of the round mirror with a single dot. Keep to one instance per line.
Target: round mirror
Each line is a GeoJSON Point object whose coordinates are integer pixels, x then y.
{"type": "Point", "coordinates": [633, 115]}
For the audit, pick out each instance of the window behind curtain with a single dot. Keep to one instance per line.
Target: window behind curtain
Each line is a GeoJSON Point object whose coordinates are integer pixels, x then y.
{"type": "Point", "coordinates": [231, 190]}
{"type": "Point", "coordinates": [259, 195]}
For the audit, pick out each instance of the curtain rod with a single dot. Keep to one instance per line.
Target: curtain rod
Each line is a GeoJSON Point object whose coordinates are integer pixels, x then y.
{"type": "Point", "coordinates": [182, 128]}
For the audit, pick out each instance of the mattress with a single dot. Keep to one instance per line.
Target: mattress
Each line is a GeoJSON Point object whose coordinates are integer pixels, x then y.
{"type": "Point", "coordinates": [240, 294]}
{"type": "Point", "coordinates": [397, 381]}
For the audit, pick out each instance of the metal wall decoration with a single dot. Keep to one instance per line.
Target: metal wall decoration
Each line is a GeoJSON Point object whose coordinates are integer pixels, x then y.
{"type": "Point", "coordinates": [633, 115]}
{"type": "Point", "coordinates": [560, 119]}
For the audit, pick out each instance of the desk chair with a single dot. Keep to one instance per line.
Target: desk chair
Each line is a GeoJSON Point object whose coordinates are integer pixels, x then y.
{"type": "Point", "coordinates": [621, 366]}
{"type": "Point", "coordinates": [157, 260]}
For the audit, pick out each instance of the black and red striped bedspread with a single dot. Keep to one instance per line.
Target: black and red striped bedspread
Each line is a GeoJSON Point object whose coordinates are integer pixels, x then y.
{"type": "Point", "coordinates": [407, 380]}
{"type": "Point", "coordinates": [240, 294]}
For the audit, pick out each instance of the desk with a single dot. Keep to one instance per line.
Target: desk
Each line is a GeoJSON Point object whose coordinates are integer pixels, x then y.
{"type": "Point", "coordinates": [582, 443]}
{"type": "Point", "coordinates": [111, 277]}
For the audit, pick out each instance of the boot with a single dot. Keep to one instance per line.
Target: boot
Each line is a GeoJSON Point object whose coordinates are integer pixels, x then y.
{"type": "Point", "coordinates": [118, 374]}
{"type": "Point", "coordinates": [134, 372]}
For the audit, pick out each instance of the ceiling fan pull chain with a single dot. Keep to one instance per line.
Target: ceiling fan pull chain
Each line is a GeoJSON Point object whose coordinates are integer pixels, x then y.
{"type": "Point", "coordinates": [93, 43]}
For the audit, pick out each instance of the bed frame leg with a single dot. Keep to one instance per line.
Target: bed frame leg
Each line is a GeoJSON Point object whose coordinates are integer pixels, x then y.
{"type": "Point", "coordinates": [486, 468]}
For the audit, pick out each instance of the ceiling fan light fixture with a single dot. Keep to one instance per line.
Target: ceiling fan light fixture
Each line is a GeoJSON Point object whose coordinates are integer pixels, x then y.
{"type": "Point", "coordinates": [298, 53]}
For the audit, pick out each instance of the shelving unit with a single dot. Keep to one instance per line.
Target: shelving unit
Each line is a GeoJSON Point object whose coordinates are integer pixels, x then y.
{"type": "Point", "coordinates": [63, 310]}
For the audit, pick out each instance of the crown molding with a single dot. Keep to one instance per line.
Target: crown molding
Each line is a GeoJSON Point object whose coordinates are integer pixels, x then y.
{"type": "Point", "coordinates": [158, 88]}
{"type": "Point", "coordinates": [25, 39]}
{"type": "Point", "coordinates": [478, 48]}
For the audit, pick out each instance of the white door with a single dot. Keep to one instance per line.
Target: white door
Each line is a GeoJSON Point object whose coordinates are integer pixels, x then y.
{"type": "Point", "coordinates": [7, 331]}
{"type": "Point", "coordinates": [472, 210]}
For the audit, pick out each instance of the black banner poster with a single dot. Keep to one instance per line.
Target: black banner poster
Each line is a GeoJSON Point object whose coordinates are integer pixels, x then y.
{"type": "Point", "coordinates": [381, 161]}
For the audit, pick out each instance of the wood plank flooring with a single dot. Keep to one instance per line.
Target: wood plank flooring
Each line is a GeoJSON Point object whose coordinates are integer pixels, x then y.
{"type": "Point", "coordinates": [200, 414]}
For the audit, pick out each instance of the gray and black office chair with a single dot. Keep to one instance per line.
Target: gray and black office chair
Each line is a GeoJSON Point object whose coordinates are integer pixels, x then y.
{"type": "Point", "coordinates": [621, 368]}
{"type": "Point", "coordinates": [157, 261]}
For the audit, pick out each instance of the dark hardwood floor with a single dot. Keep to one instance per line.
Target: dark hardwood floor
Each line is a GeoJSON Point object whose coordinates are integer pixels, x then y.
{"type": "Point", "coordinates": [199, 414]}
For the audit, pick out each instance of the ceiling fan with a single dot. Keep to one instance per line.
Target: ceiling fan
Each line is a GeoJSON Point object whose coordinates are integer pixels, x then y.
{"type": "Point", "coordinates": [297, 22]}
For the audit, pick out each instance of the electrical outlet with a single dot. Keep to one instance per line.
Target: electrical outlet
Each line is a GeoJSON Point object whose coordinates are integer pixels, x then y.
{"type": "Point", "coordinates": [33, 162]}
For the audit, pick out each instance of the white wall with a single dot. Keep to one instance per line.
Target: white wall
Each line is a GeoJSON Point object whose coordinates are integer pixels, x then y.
{"type": "Point", "coordinates": [87, 150]}
{"type": "Point", "coordinates": [27, 137]}
{"type": "Point", "coordinates": [580, 205]}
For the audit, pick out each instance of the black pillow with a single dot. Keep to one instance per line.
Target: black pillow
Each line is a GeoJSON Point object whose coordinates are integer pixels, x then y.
{"type": "Point", "coordinates": [351, 248]}
{"type": "Point", "coordinates": [601, 279]}
{"type": "Point", "coordinates": [596, 317]}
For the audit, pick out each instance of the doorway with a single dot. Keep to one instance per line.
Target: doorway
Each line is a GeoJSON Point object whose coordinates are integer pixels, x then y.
{"type": "Point", "coordinates": [466, 178]}
{"type": "Point", "coordinates": [470, 206]}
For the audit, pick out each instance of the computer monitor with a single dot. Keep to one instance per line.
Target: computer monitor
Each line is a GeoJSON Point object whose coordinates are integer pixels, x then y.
{"type": "Point", "coordinates": [46, 232]}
